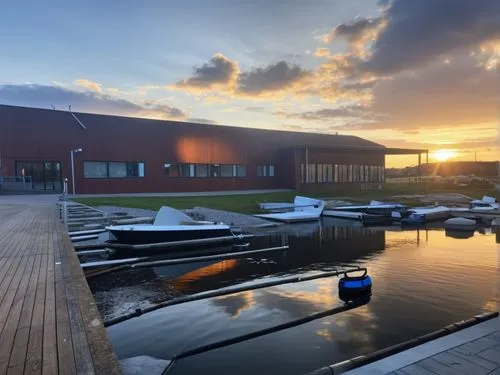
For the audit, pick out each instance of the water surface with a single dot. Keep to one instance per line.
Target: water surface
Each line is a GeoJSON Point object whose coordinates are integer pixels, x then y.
{"type": "Point", "coordinates": [422, 281]}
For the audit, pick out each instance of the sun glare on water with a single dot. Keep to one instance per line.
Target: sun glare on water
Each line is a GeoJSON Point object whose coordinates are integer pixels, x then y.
{"type": "Point", "coordinates": [443, 155]}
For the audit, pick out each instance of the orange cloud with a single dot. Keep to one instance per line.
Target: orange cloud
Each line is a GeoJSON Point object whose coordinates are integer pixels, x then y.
{"type": "Point", "coordinates": [219, 73]}
{"type": "Point", "coordinates": [89, 85]}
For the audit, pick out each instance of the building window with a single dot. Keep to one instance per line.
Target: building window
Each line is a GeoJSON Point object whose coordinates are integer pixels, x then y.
{"type": "Point", "coordinates": [204, 170]}
{"type": "Point", "coordinates": [325, 173]}
{"type": "Point", "coordinates": [111, 169]}
{"type": "Point", "coordinates": [239, 170]}
{"type": "Point", "coordinates": [266, 170]}
{"type": "Point", "coordinates": [214, 170]}
{"type": "Point", "coordinates": [95, 169]}
{"type": "Point", "coordinates": [329, 171]}
{"type": "Point", "coordinates": [201, 170]}
{"type": "Point", "coordinates": [226, 170]}
{"type": "Point", "coordinates": [311, 173]}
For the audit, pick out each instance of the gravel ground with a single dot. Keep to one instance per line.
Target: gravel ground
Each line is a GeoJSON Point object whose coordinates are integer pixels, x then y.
{"type": "Point", "coordinates": [198, 213]}
{"type": "Point", "coordinates": [135, 212]}
{"type": "Point", "coordinates": [227, 217]}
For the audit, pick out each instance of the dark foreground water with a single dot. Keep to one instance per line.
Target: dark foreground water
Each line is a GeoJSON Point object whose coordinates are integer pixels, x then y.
{"type": "Point", "coordinates": [422, 281]}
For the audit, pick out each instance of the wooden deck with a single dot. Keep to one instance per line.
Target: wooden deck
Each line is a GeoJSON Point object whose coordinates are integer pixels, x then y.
{"type": "Point", "coordinates": [473, 351]}
{"type": "Point", "coordinates": [49, 323]}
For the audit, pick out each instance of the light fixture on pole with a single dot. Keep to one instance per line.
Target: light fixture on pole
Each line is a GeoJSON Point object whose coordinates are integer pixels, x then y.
{"type": "Point", "coordinates": [76, 150]}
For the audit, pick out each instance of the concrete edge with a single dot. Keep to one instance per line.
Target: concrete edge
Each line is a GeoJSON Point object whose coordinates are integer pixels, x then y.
{"type": "Point", "coordinates": [411, 351]}
{"type": "Point", "coordinates": [103, 355]}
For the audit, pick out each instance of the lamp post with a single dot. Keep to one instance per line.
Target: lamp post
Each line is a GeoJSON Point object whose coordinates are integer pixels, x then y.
{"type": "Point", "coordinates": [75, 151]}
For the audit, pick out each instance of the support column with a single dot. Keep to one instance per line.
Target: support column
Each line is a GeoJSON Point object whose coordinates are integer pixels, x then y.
{"type": "Point", "coordinates": [307, 166]}
{"type": "Point", "coordinates": [419, 169]}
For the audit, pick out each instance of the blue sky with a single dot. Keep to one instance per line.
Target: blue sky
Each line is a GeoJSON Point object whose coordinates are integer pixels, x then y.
{"type": "Point", "coordinates": [383, 70]}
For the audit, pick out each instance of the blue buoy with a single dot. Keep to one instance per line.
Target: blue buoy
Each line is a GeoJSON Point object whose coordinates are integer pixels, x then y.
{"type": "Point", "coordinates": [353, 287]}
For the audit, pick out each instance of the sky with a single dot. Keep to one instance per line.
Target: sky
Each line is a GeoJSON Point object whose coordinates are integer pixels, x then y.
{"type": "Point", "coordinates": [403, 73]}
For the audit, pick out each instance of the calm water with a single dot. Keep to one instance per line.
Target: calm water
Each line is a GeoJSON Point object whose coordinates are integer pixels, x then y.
{"type": "Point", "coordinates": [422, 281]}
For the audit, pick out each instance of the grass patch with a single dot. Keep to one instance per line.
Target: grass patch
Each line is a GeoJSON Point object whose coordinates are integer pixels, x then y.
{"type": "Point", "coordinates": [248, 203]}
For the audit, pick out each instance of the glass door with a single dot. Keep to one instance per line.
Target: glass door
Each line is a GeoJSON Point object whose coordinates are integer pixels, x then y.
{"type": "Point", "coordinates": [45, 175]}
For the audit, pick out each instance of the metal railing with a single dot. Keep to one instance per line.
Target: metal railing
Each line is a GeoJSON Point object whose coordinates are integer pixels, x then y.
{"type": "Point", "coordinates": [16, 183]}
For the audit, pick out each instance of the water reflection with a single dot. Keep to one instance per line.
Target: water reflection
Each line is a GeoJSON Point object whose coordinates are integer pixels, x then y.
{"type": "Point", "coordinates": [423, 279]}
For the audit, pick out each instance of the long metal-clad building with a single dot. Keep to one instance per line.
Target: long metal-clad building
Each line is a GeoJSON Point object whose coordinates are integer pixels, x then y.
{"type": "Point", "coordinates": [113, 154]}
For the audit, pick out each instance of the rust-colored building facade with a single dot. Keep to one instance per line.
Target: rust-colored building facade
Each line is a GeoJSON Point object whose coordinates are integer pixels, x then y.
{"type": "Point", "coordinates": [131, 155]}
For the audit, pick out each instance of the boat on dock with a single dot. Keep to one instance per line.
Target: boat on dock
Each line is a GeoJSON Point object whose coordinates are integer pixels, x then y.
{"type": "Point", "coordinates": [304, 209]}
{"type": "Point", "coordinates": [365, 218]}
{"type": "Point", "coordinates": [170, 225]}
{"type": "Point", "coordinates": [484, 204]}
{"type": "Point", "coordinates": [374, 208]}
{"type": "Point", "coordinates": [421, 215]}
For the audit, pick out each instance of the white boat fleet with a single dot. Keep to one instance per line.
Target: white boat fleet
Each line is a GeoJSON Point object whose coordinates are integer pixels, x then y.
{"type": "Point", "coordinates": [308, 209]}
{"type": "Point", "coordinates": [173, 226]}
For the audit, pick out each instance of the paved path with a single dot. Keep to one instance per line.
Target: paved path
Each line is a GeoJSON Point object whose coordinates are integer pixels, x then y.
{"type": "Point", "coordinates": [186, 194]}
{"type": "Point", "coordinates": [48, 319]}
{"type": "Point", "coordinates": [472, 351]}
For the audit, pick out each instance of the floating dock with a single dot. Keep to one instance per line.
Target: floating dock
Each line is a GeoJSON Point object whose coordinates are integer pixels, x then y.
{"type": "Point", "coordinates": [49, 321]}
{"type": "Point", "coordinates": [453, 350]}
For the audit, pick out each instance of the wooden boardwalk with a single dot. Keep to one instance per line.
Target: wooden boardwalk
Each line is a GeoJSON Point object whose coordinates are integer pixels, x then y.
{"type": "Point", "coordinates": [473, 351]}
{"type": "Point", "coordinates": [49, 323]}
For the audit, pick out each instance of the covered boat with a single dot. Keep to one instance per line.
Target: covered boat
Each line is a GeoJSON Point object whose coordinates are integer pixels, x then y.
{"type": "Point", "coordinates": [374, 208]}
{"type": "Point", "coordinates": [423, 215]}
{"type": "Point", "coordinates": [170, 225]}
{"type": "Point", "coordinates": [304, 209]}
{"type": "Point", "coordinates": [485, 204]}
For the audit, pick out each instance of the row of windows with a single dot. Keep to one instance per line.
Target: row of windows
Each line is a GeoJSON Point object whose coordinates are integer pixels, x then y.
{"type": "Point", "coordinates": [266, 170]}
{"type": "Point", "coordinates": [204, 170]}
{"type": "Point", "coordinates": [111, 169]}
{"type": "Point", "coordinates": [108, 169]}
{"type": "Point", "coordinates": [328, 173]}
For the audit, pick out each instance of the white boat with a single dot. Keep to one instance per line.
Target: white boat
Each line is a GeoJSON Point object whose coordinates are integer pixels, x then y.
{"type": "Point", "coordinates": [485, 204]}
{"type": "Point", "coordinates": [304, 209]}
{"type": "Point", "coordinates": [374, 206]}
{"type": "Point", "coordinates": [277, 207]}
{"type": "Point", "coordinates": [343, 214]}
{"type": "Point", "coordinates": [422, 215]}
{"type": "Point", "coordinates": [359, 216]}
{"type": "Point", "coordinates": [170, 225]}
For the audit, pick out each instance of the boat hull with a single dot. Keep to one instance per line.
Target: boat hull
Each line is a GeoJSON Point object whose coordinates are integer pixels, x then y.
{"type": "Point", "coordinates": [138, 236]}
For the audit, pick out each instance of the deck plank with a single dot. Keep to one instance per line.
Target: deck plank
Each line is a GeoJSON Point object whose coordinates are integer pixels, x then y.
{"type": "Point", "coordinates": [45, 303]}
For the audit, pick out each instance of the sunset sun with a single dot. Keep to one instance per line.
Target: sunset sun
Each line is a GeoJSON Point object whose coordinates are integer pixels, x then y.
{"type": "Point", "coordinates": [443, 155]}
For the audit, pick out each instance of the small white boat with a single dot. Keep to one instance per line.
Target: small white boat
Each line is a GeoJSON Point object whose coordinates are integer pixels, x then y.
{"type": "Point", "coordinates": [343, 214]}
{"type": "Point", "coordinates": [422, 215]}
{"type": "Point", "coordinates": [170, 225]}
{"type": "Point", "coordinates": [305, 209]}
{"type": "Point", "coordinates": [485, 204]}
{"type": "Point", "coordinates": [276, 207]}
{"type": "Point", "coordinates": [373, 206]}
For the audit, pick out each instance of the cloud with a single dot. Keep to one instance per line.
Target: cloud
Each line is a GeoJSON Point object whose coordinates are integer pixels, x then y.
{"type": "Point", "coordinates": [89, 85]}
{"type": "Point", "coordinates": [358, 33]}
{"type": "Point", "coordinates": [112, 91]}
{"type": "Point", "coordinates": [221, 76]}
{"type": "Point", "coordinates": [40, 96]}
{"type": "Point", "coordinates": [322, 52]}
{"type": "Point", "coordinates": [256, 109]}
{"type": "Point", "coordinates": [220, 73]}
{"type": "Point", "coordinates": [327, 114]}
{"type": "Point", "coordinates": [458, 93]}
{"type": "Point", "coordinates": [162, 111]}
{"type": "Point", "coordinates": [419, 32]}
{"type": "Point", "coordinates": [271, 79]}
{"type": "Point", "coordinates": [202, 121]}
